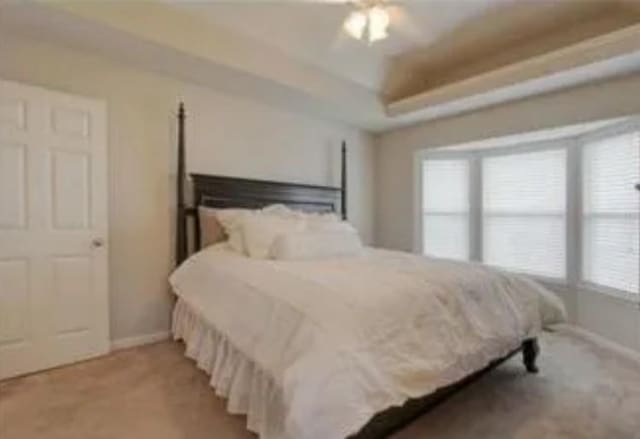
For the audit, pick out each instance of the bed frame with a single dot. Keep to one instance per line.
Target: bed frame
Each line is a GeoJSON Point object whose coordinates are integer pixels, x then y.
{"type": "Point", "coordinates": [221, 191]}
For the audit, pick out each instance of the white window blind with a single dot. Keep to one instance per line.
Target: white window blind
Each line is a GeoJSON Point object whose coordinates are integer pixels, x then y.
{"type": "Point", "coordinates": [524, 212]}
{"type": "Point", "coordinates": [446, 208]}
{"type": "Point", "coordinates": [611, 212]}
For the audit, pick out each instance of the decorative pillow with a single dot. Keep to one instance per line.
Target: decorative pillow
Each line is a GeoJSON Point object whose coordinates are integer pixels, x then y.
{"type": "Point", "coordinates": [308, 245]}
{"type": "Point", "coordinates": [280, 210]}
{"type": "Point", "coordinates": [329, 224]}
{"type": "Point", "coordinates": [321, 218]}
{"type": "Point", "coordinates": [231, 221]}
{"type": "Point", "coordinates": [286, 212]}
{"type": "Point", "coordinates": [211, 231]}
{"type": "Point", "coordinates": [260, 230]}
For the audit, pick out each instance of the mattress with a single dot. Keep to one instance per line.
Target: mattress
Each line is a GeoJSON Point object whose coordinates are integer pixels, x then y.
{"type": "Point", "coordinates": [332, 342]}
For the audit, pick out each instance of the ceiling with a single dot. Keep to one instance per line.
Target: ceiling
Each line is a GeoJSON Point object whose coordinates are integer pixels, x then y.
{"type": "Point", "coordinates": [442, 57]}
{"type": "Point", "coordinates": [312, 31]}
{"type": "Point", "coordinates": [432, 42]}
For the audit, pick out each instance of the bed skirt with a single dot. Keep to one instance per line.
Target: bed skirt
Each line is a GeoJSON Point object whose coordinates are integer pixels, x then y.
{"type": "Point", "coordinates": [248, 390]}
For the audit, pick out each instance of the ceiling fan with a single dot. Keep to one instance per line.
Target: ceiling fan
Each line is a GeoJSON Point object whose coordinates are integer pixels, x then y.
{"type": "Point", "coordinates": [369, 21]}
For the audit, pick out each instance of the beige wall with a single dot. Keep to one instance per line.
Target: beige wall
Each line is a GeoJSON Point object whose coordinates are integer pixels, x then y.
{"type": "Point", "coordinates": [226, 135]}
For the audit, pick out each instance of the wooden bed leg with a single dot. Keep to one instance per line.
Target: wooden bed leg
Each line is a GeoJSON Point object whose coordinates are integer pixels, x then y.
{"type": "Point", "coordinates": [530, 351]}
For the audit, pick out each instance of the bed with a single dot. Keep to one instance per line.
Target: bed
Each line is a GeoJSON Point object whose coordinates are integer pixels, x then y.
{"type": "Point", "coordinates": [341, 347]}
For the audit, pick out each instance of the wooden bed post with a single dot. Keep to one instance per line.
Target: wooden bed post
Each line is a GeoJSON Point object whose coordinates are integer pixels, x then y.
{"type": "Point", "coordinates": [343, 182]}
{"type": "Point", "coordinates": [181, 215]}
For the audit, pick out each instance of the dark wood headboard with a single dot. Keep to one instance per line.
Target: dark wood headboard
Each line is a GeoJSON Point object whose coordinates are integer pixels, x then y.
{"type": "Point", "coordinates": [232, 192]}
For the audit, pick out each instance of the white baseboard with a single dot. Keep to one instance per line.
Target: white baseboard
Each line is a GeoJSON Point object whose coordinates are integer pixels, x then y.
{"type": "Point", "coordinates": [138, 340]}
{"type": "Point", "coordinates": [603, 341]}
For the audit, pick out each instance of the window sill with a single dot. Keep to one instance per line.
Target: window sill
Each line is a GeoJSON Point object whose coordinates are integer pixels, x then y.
{"type": "Point", "coordinates": [555, 281]}
{"type": "Point", "coordinates": [623, 297]}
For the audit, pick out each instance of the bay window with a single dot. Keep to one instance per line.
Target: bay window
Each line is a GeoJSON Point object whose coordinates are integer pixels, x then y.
{"type": "Point", "coordinates": [564, 209]}
{"type": "Point", "coordinates": [446, 208]}
{"type": "Point", "coordinates": [611, 212]}
{"type": "Point", "coordinates": [523, 212]}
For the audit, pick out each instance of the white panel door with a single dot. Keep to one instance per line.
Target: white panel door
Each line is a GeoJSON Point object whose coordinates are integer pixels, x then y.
{"type": "Point", "coordinates": [53, 229]}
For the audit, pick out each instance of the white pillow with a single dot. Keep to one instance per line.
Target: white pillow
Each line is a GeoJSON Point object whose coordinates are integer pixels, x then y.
{"type": "Point", "coordinates": [211, 231]}
{"type": "Point", "coordinates": [279, 210]}
{"type": "Point", "coordinates": [286, 212]}
{"type": "Point", "coordinates": [260, 230]}
{"type": "Point", "coordinates": [320, 216]}
{"type": "Point", "coordinates": [308, 245]}
{"type": "Point", "coordinates": [328, 224]}
{"type": "Point", "coordinates": [232, 220]}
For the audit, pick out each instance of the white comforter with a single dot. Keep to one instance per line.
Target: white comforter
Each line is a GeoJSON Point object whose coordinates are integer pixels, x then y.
{"type": "Point", "coordinates": [346, 338]}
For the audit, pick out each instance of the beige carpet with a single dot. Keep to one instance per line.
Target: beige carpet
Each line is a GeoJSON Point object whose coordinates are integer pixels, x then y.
{"type": "Point", "coordinates": [583, 391]}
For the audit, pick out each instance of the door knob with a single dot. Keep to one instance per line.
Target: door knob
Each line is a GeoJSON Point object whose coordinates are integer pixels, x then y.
{"type": "Point", "coordinates": [97, 243]}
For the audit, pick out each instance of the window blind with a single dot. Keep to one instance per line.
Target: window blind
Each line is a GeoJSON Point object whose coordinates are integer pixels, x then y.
{"type": "Point", "coordinates": [524, 212]}
{"type": "Point", "coordinates": [446, 208]}
{"type": "Point", "coordinates": [611, 212]}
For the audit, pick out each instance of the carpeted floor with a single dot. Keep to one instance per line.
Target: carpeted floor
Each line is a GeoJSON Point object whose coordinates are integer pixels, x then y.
{"type": "Point", "coordinates": [583, 391]}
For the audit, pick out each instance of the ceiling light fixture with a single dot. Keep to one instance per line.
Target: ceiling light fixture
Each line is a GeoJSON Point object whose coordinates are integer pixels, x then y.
{"type": "Point", "coordinates": [371, 21]}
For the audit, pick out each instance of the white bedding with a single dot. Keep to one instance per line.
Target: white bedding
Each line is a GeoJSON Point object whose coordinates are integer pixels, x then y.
{"type": "Point", "coordinates": [345, 338]}
{"type": "Point", "coordinates": [309, 245]}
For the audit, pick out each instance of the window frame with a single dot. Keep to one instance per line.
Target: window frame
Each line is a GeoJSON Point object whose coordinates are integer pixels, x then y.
{"type": "Point", "coordinates": [573, 145]}
{"type": "Point", "coordinates": [580, 282]}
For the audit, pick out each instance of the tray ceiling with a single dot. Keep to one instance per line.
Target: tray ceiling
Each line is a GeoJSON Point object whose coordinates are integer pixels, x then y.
{"type": "Point", "coordinates": [312, 31]}
{"type": "Point", "coordinates": [442, 57]}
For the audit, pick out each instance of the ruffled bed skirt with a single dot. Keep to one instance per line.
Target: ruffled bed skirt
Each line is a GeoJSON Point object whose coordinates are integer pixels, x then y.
{"type": "Point", "coordinates": [248, 390]}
